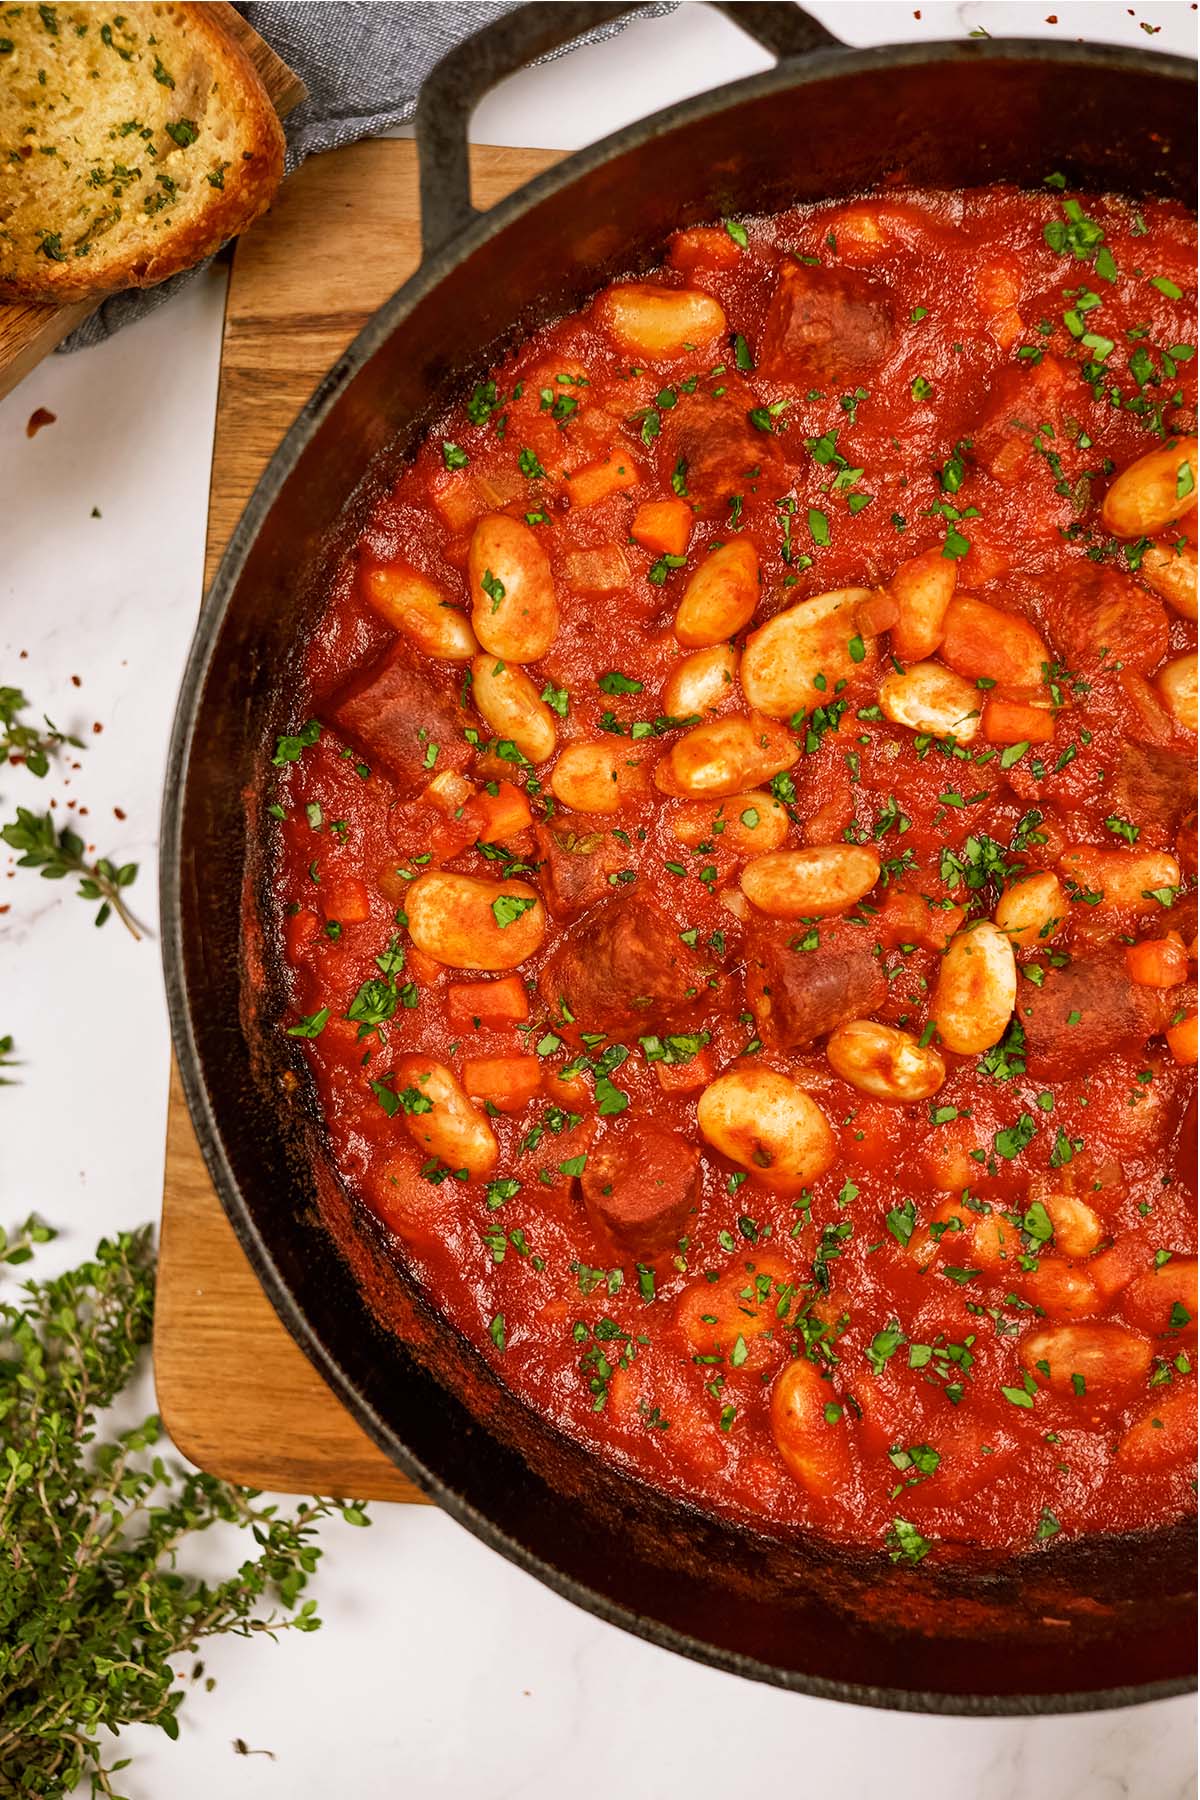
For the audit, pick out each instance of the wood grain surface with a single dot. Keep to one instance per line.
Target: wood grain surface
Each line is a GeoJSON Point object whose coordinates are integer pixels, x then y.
{"type": "Point", "coordinates": [28, 332]}
{"type": "Point", "coordinates": [235, 1392]}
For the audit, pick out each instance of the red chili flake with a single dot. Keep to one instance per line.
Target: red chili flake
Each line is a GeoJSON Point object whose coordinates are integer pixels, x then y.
{"type": "Point", "coordinates": [37, 419]}
{"type": "Point", "coordinates": [119, 812]}
{"type": "Point", "coordinates": [1052, 18]}
{"type": "Point", "coordinates": [97, 727]}
{"type": "Point", "coordinates": [75, 681]}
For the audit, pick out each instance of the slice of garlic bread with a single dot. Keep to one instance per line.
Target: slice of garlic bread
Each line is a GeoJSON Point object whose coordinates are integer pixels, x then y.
{"type": "Point", "coordinates": [133, 142]}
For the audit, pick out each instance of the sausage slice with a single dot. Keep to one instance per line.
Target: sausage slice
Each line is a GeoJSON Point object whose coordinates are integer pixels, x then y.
{"type": "Point", "coordinates": [394, 716]}
{"type": "Point", "coordinates": [802, 980]}
{"type": "Point", "coordinates": [639, 1186]}
{"type": "Point", "coordinates": [625, 970]}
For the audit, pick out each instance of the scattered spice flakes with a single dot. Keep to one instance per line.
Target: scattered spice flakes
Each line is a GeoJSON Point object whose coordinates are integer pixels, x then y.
{"type": "Point", "coordinates": [76, 681]}
{"type": "Point", "coordinates": [39, 417]}
{"type": "Point", "coordinates": [119, 812]}
{"type": "Point", "coordinates": [97, 727]}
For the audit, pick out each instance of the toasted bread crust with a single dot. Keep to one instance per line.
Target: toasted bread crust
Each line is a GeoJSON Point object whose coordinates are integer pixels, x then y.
{"type": "Point", "coordinates": [249, 183]}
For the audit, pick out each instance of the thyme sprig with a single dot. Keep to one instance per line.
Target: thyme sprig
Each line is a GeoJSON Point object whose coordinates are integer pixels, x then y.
{"type": "Point", "coordinates": [93, 1603]}
{"type": "Point", "coordinates": [28, 744]}
{"type": "Point", "coordinates": [59, 853]}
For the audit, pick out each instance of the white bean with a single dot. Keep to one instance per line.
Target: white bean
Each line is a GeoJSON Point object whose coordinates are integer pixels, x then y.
{"type": "Point", "coordinates": [1033, 908]}
{"type": "Point", "coordinates": [1176, 682]}
{"type": "Point", "coordinates": [596, 778]}
{"type": "Point", "coordinates": [440, 1118]}
{"type": "Point", "coordinates": [511, 706]}
{"type": "Point", "coordinates": [724, 756]}
{"type": "Point", "coordinates": [976, 989]}
{"type": "Point", "coordinates": [701, 682]}
{"type": "Point", "coordinates": [930, 699]}
{"type": "Point", "coordinates": [1170, 570]}
{"type": "Point", "coordinates": [745, 824]}
{"type": "Point", "coordinates": [415, 606]}
{"type": "Point", "coordinates": [1152, 492]}
{"type": "Point", "coordinates": [884, 1061]}
{"type": "Point", "coordinates": [720, 596]}
{"type": "Point", "coordinates": [796, 660]}
{"type": "Point", "coordinates": [812, 883]}
{"type": "Point", "coordinates": [1124, 879]}
{"type": "Point", "coordinates": [513, 605]}
{"type": "Point", "coordinates": [814, 1447]}
{"type": "Point", "coordinates": [922, 588]}
{"type": "Point", "coordinates": [652, 320]}
{"type": "Point", "coordinates": [470, 923]}
{"type": "Point", "coordinates": [1108, 1360]}
{"type": "Point", "coordinates": [769, 1126]}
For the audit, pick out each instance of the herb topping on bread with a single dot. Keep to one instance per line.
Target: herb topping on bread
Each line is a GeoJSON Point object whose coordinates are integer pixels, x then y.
{"type": "Point", "coordinates": [133, 143]}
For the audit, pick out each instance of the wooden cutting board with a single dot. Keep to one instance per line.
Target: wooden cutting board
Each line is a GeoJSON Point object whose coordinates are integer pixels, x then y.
{"type": "Point", "coordinates": [28, 332]}
{"type": "Point", "coordinates": [235, 1393]}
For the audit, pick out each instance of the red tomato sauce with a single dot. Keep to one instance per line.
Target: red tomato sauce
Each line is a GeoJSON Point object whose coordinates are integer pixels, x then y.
{"type": "Point", "coordinates": [932, 1280]}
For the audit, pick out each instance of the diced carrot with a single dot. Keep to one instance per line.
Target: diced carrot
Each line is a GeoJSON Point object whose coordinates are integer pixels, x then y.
{"type": "Point", "coordinates": [448, 791]}
{"type": "Point", "coordinates": [421, 968]}
{"type": "Point", "coordinates": [457, 500]}
{"type": "Point", "coordinates": [704, 247]}
{"type": "Point", "coordinates": [301, 929]}
{"type": "Point", "coordinates": [573, 1091]}
{"type": "Point", "coordinates": [908, 918]}
{"type": "Point", "coordinates": [681, 1078]}
{"type": "Point", "coordinates": [509, 1082]}
{"type": "Point", "coordinates": [347, 899]}
{"type": "Point", "coordinates": [879, 613]}
{"type": "Point", "coordinates": [1158, 962]}
{"type": "Point", "coordinates": [472, 1003]}
{"type": "Point", "coordinates": [501, 814]}
{"type": "Point", "coordinates": [663, 526]}
{"type": "Point", "coordinates": [1181, 1040]}
{"type": "Point", "coordinates": [1016, 722]}
{"type": "Point", "coordinates": [597, 480]}
{"type": "Point", "coordinates": [599, 571]}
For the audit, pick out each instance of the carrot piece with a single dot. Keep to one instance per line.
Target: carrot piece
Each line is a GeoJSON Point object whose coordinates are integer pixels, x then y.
{"type": "Point", "coordinates": [301, 929]}
{"type": "Point", "coordinates": [597, 480]}
{"type": "Point", "coordinates": [1015, 722]}
{"type": "Point", "coordinates": [473, 1003]}
{"type": "Point", "coordinates": [704, 247]}
{"type": "Point", "coordinates": [879, 613]}
{"type": "Point", "coordinates": [663, 526]}
{"type": "Point", "coordinates": [509, 1082]}
{"type": "Point", "coordinates": [502, 814]}
{"type": "Point", "coordinates": [681, 1078]}
{"type": "Point", "coordinates": [347, 899]}
{"type": "Point", "coordinates": [421, 968]}
{"type": "Point", "coordinates": [1157, 962]}
{"type": "Point", "coordinates": [1181, 1040]}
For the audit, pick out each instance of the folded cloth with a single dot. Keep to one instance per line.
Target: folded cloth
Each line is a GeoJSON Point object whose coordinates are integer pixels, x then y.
{"type": "Point", "coordinates": [363, 62]}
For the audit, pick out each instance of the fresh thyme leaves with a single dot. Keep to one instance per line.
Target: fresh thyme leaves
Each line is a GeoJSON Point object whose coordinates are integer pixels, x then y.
{"type": "Point", "coordinates": [93, 1602]}
{"type": "Point", "coordinates": [28, 744]}
{"type": "Point", "coordinates": [7, 1059]}
{"type": "Point", "coordinates": [59, 853]}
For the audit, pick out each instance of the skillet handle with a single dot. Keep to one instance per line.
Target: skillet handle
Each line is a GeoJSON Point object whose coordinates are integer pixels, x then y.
{"type": "Point", "coordinates": [455, 85]}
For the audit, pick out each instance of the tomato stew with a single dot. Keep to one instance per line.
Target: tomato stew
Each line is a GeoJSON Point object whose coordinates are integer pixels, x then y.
{"type": "Point", "coordinates": [738, 877]}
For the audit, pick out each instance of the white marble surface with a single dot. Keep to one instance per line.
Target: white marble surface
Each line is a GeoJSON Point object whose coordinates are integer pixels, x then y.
{"type": "Point", "coordinates": [442, 1673]}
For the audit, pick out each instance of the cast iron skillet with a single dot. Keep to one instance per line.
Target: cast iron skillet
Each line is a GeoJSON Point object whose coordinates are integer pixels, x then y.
{"type": "Point", "coordinates": [1101, 1622]}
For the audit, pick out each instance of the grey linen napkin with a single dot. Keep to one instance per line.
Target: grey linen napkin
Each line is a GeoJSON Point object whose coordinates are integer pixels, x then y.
{"type": "Point", "coordinates": [363, 62]}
